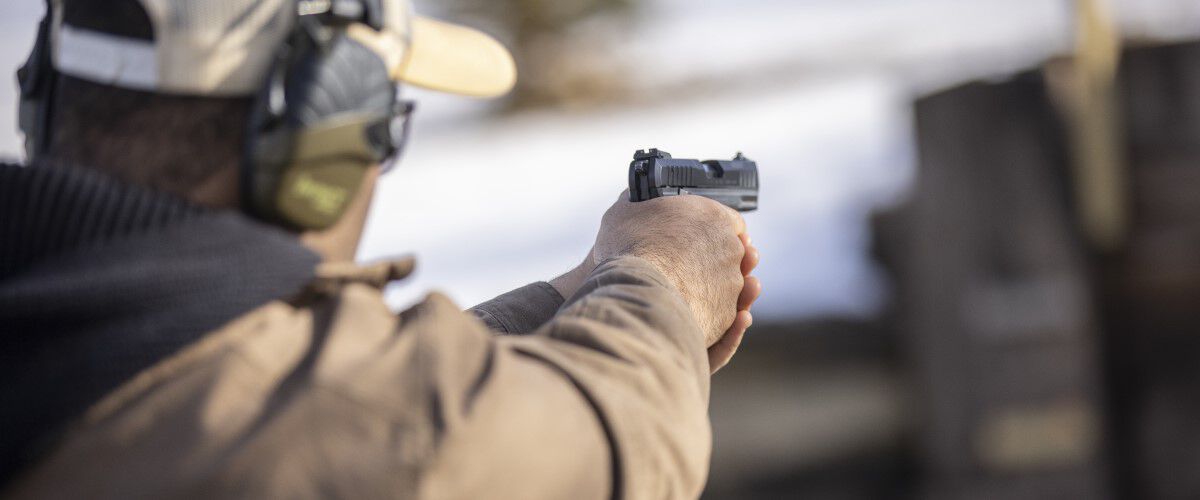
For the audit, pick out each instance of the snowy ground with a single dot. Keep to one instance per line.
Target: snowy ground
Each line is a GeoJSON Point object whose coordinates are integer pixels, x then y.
{"type": "Point", "coordinates": [489, 205]}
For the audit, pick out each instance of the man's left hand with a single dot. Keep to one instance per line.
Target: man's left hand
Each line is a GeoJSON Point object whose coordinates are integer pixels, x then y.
{"type": "Point", "coordinates": [721, 352]}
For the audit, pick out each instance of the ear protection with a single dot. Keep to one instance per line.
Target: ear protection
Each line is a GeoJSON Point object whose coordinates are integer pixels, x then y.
{"type": "Point", "coordinates": [36, 80]}
{"type": "Point", "coordinates": [326, 112]}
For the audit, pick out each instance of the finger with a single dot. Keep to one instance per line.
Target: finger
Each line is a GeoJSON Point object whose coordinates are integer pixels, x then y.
{"type": "Point", "coordinates": [751, 289]}
{"type": "Point", "coordinates": [721, 352]}
{"type": "Point", "coordinates": [749, 260]}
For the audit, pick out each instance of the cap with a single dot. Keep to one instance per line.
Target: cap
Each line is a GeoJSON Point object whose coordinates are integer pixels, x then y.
{"type": "Point", "coordinates": [225, 47]}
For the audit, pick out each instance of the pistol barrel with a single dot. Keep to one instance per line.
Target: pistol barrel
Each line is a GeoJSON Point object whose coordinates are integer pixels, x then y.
{"type": "Point", "coordinates": [733, 183]}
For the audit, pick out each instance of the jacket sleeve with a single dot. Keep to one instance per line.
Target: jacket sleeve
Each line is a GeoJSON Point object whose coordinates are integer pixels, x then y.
{"type": "Point", "coordinates": [608, 399]}
{"type": "Point", "coordinates": [520, 311]}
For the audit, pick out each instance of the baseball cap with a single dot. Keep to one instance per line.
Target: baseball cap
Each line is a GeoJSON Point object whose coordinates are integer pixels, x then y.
{"type": "Point", "coordinates": [225, 47]}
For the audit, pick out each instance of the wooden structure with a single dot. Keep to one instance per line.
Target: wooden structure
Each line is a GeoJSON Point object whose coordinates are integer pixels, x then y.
{"type": "Point", "coordinates": [1048, 365]}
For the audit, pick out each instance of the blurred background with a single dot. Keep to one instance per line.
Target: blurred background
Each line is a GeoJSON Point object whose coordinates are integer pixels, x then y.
{"type": "Point", "coordinates": [979, 222]}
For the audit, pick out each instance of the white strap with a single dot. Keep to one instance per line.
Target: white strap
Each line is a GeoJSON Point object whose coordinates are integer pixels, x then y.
{"type": "Point", "coordinates": [107, 59]}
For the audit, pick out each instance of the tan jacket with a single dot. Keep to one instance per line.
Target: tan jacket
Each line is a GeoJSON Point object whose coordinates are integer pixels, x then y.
{"type": "Point", "coordinates": [333, 395]}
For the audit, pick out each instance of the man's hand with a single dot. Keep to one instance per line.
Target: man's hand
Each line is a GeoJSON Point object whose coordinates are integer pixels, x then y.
{"type": "Point", "coordinates": [720, 353]}
{"type": "Point", "coordinates": [700, 245]}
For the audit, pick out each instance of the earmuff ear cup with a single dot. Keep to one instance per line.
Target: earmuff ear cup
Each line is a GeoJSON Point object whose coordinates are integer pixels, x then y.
{"type": "Point", "coordinates": [326, 169]}
{"type": "Point", "coordinates": [343, 77]}
{"type": "Point", "coordinates": [37, 79]}
{"type": "Point", "coordinates": [315, 88]}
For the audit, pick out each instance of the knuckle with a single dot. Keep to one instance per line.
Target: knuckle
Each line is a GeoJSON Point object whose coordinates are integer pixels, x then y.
{"type": "Point", "coordinates": [710, 206]}
{"type": "Point", "coordinates": [733, 247]}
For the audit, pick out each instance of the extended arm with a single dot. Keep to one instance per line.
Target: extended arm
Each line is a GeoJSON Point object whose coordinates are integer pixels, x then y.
{"type": "Point", "coordinates": [609, 395]}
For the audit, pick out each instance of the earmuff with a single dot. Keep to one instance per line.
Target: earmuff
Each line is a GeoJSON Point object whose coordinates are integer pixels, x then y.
{"type": "Point", "coordinates": [327, 111]}
{"type": "Point", "coordinates": [36, 80]}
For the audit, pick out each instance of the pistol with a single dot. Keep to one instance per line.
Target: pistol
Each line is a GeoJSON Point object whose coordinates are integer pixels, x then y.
{"type": "Point", "coordinates": [733, 183]}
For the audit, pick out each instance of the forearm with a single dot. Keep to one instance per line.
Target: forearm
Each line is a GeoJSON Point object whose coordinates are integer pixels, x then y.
{"type": "Point", "coordinates": [618, 378]}
{"type": "Point", "coordinates": [524, 309]}
{"type": "Point", "coordinates": [631, 344]}
{"type": "Point", "coordinates": [520, 311]}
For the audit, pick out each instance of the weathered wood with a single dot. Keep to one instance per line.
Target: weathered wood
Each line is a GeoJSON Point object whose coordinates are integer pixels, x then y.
{"type": "Point", "coordinates": [994, 301]}
{"type": "Point", "coordinates": [1018, 337]}
{"type": "Point", "coordinates": [1151, 290]}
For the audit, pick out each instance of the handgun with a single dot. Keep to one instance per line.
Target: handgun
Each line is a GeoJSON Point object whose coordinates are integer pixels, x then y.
{"type": "Point", "coordinates": [733, 183]}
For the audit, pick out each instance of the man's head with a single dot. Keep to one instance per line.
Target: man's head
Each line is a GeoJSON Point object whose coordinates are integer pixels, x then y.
{"type": "Point", "coordinates": [282, 108]}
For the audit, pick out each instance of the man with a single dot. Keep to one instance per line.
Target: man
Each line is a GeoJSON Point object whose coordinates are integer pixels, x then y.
{"type": "Point", "coordinates": [181, 317]}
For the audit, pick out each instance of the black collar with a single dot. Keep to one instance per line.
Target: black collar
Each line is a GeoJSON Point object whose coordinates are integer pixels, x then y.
{"type": "Point", "coordinates": [48, 210]}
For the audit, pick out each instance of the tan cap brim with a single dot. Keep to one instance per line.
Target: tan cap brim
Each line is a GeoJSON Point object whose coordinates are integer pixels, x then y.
{"type": "Point", "coordinates": [456, 59]}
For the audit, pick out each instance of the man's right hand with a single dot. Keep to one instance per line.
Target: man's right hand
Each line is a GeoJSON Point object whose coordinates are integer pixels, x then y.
{"type": "Point", "coordinates": [701, 246]}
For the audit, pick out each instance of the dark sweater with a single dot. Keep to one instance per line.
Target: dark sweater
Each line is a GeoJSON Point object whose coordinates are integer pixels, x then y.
{"type": "Point", "coordinates": [100, 279]}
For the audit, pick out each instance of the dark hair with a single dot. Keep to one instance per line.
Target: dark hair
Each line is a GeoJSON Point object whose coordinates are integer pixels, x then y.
{"type": "Point", "coordinates": [168, 142]}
